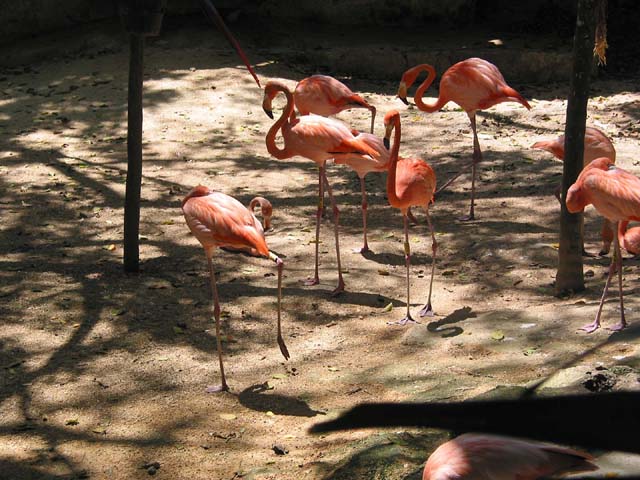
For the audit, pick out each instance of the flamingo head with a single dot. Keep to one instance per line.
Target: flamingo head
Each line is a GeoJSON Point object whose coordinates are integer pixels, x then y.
{"type": "Point", "coordinates": [390, 120]}
{"type": "Point", "coordinates": [270, 91]}
{"type": "Point", "coordinates": [576, 199]}
{"type": "Point", "coordinates": [408, 78]}
{"type": "Point", "coordinates": [402, 92]}
{"type": "Point", "coordinates": [601, 163]}
{"type": "Point", "coordinates": [266, 209]}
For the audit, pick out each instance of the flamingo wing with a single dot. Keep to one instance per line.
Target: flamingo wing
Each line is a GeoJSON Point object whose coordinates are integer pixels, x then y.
{"type": "Point", "coordinates": [324, 95]}
{"type": "Point", "coordinates": [615, 193]}
{"type": "Point", "coordinates": [415, 181]}
{"type": "Point", "coordinates": [363, 164]}
{"type": "Point", "coordinates": [477, 84]}
{"type": "Point", "coordinates": [316, 137]}
{"type": "Point", "coordinates": [219, 220]}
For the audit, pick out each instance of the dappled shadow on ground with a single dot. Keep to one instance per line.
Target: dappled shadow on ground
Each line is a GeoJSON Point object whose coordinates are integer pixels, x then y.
{"type": "Point", "coordinates": [82, 342]}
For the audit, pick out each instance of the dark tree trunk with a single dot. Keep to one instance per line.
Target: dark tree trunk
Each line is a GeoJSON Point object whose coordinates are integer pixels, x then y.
{"type": "Point", "coordinates": [570, 276]}
{"type": "Point", "coordinates": [134, 152]}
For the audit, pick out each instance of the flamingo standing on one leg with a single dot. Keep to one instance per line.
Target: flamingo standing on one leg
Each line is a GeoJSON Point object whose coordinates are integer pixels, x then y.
{"type": "Point", "coordinates": [489, 457]}
{"type": "Point", "coordinates": [326, 96]}
{"type": "Point", "coordinates": [319, 139]}
{"type": "Point", "coordinates": [596, 145]}
{"type": "Point", "coordinates": [218, 220]}
{"type": "Point", "coordinates": [363, 165]}
{"type": "Point", "coordinates": [615, 194]}
{"type": "Point", "coordinates": [474, 84]}
{"type": "Point", "coordinates": [411, 181]}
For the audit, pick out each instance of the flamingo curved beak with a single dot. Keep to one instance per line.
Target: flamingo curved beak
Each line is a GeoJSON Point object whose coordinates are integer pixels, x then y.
{"type": "Point", "coordinates": [386, 142]}
{"type": "Point", "coordinates": [402, 92]}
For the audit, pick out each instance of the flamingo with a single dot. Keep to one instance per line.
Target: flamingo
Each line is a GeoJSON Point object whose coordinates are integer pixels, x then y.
{"type": "Point", "coordinates": [411, 181]}
{"type": "Point", "coordinates": [266, 210]}
{"type": "Point", "coordinates": [363, 165]}
{"type": "Point", "coordinates": [629, 239]}
{"type": "Point", "coordinates": [474, 84]}
{"type": "Point", "coordinates": [489, 457]}
{"type": "Point", "coordinates": [326, 96]}
{"type": "Point", "coordinates": [596, 145]}
{"type": "Point", "coordinates": [319, 139]}
{"type": "Point", "coordinates": [615, 194]}
{"type": "Point", "coordinates": [218, 220]}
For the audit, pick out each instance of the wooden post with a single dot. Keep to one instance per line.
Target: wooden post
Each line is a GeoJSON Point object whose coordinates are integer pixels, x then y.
{"type": "Point", "coordinates": [134, 153]}
{"type": "Point", "coordinates": [570, 276]}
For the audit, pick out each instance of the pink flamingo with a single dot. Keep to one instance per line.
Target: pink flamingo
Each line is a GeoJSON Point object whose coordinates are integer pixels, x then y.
{"type": "Point", "coordinates": [363, 164]}
{"type": "Point", "coordinates": [491, 457]}
{"type": "Point", "coordinates": [326, 96]}
{"type": "Point", "coordinates": [218, 220]}
{"type": "Point", "coordinates": [596, 145]}
{"type": "Point", "coordinates": [474, 84]}
{"type": "Point", "coordinates": [319, 139]}
{"type": "Point", "coordinates": [615, 194]}
{"type": "Point", "coordinates": [629, 239]}
{"type": "Point", "coordinates": [411, 181]}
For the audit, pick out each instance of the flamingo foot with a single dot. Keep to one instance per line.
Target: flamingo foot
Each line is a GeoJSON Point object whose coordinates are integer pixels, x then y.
{"type": "Point", "coordinates": [404, 321]}
{"type": "Point", "coordinates": [601, 253]}
{"type": "Point", "coordinates": [618, 326]}
{"type": "Point", "coordinates": [467, 218]}
{"type": "Point", "coordinates": [339, 289]}
{"type": "Point", "coordinates": [310, 281]}
{"type": "Point", "coordinates": [283, 348]}
{"type": "Point", "coordinates": [363, 250]}
{"type": "Point", "coordinates": [591, 255]}
{"type": "Point", "coordinates": [592, 327]}
{"type": "Point", "coordinates": [218, 388]}
{"type": "Point", "coordinates": [427, 311]}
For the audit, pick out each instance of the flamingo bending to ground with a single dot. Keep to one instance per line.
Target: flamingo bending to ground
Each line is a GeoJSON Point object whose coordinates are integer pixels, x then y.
{"type": "Point", "coordinates": [489, 457]}
{"type": "Point", "coordinates": [615, 194]}
{"type": "Point", "coordinates": [319, 139]}
{"type": "Point", "coordinates": [326, 96]}
{"type": "Point", "coordinates": [218, 220]}
{"type": "Point", "coordinates": [596, 145]}
{"type": "Point", "coordinates": [411, 181]}
{"type": "Point", "coordinates": [474, 84]}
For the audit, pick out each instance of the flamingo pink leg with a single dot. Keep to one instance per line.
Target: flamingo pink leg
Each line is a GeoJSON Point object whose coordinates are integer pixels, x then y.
{"type": "Point", "coordinates": [316, 278]}
{"type": "Point", "coordinates": [283, 347]}
{"type": "Point", "coordinates": [223, 387]}
{"type": "Point", "coordinates": [427, 310]}
{"type": "Point", "coordinates": [477, 158]}
{"type": "Point", "coordinates": [616, 262]}
{"type": "Point", "coordinates": [407, 260]}
{"type": "Point", "coordinates": [336, 221]}
{"type": "Point", "coordinates": [618, 254]}
{"type": "Point", "coordinates": [365, 206]}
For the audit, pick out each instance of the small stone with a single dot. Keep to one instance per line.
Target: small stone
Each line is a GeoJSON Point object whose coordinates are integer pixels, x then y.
{"type": "Point", "coordinates": [279, 449]}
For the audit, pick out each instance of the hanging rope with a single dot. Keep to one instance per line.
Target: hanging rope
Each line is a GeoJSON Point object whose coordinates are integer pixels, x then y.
{"type": "Point", "coordinates": [600, 47]}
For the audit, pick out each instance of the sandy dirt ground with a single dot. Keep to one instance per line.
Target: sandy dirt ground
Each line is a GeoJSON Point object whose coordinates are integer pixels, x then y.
{"type": "Point", "coordinates": [103, 375]}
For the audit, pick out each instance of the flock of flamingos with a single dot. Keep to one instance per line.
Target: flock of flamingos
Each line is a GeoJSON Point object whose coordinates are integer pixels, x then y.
{"type": "Point", "coordinates": [219, 220]}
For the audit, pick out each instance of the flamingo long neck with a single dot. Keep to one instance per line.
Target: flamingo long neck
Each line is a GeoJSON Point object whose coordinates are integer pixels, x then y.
{"type": "Point", "coordinates": [426, 107]}
{"type": "Point", "coordinates": [393, 162]}
{"type": "Point", "coordinates": [272, 148]}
